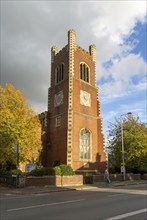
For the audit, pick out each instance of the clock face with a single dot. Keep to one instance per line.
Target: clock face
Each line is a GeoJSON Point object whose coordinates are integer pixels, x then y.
{"type": "Point", "coordinates": [85, 98]}
{"type": "Point", "coordinates": [58, 100]}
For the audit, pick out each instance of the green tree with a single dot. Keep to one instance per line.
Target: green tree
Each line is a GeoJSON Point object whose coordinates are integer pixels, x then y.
{"type": "Point", "coordinates": [135, 143]}
{"type": "Point", "coordinates": [18, 124]}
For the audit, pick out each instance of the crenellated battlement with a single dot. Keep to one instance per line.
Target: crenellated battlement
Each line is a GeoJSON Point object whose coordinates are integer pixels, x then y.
{"type": "Point", "coordinates": [54, 51]}
{"type": "Point", "coordinates": [72, 45]}
{"type": "Point", "coordinates": [92, 51]}
{"type": "Point", "coordinates": [64, 49]}
{"type": "Point", "coordinates": [83, 51]}
{"type": "Point", "coordinates": [71, 37]}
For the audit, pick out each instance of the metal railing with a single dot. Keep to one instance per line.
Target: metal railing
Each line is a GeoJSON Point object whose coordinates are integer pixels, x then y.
{"type": "Point", "coordinates": [9, 179]}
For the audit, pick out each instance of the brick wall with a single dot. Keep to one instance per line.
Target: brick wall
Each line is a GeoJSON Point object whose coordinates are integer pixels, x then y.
{"type": "Point", "coordinates": [117, 177]}
{"type": "Point", "coordinates": [144, 176]}
{"type": "Point", "coordinates": [87, 117]}
{"type": "Point", "coordinates": [55, 180]}
{"type": "Point", "coordinates": [57, 136]}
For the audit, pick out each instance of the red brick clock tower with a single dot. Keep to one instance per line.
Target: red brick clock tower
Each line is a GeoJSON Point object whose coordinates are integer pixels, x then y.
{"type": "Point", "coordinates": [74, 133]}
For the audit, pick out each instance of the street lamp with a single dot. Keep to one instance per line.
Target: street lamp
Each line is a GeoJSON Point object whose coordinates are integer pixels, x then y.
{"type": "Point", "coordinates": [123, 169]}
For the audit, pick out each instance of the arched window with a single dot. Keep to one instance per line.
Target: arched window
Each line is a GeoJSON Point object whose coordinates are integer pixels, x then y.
{"type": "Point", "coordinates": [85, 144]}
{"type": "Point", "coordinates": [59, 73]}
{"type": "Point", "coordinates": [84, 72]}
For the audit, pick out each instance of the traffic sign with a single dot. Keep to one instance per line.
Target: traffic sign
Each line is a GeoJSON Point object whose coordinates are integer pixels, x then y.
{"type": "Point", "coordinates": [123, 169]}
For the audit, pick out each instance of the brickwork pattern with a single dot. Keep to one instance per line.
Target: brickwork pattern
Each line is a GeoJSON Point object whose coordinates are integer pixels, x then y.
{"type": "Point", "coordinates": [76, 180]}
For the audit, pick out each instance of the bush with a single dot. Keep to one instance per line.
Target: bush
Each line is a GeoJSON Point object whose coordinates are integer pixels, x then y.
{"type": "Point", "coordinates": [62, 170]}
{"type": "Point", "coordinates": [36, 172]}
{"type": "Point", "coordinates": [44, 171]}
{"type": "Point", "coordinates": [66, 170]}
{"type": "Point", "coordinates": [57, 171]}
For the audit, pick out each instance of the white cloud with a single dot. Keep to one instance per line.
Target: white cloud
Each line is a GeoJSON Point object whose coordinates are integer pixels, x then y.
{"type": "Point", "coordinates": [118, 19]}
{"type": "Point", "coordinates": [127, 67]}
{"type": "Point", "coordinates": [112, 90]}
{"type": "Point", "coordinates": [122, 73]}
{"type": "Point", "coordinates": [30, 28]}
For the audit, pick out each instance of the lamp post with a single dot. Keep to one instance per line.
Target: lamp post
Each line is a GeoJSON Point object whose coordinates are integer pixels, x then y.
{"type": "Point", "coordinates": [123, 168]}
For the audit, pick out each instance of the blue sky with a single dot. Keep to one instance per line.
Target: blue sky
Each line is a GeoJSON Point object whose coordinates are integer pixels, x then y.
{"type": "Point", "coordinates": [140, 34]}
{"type": "Point", "coordinates": [118, 29]}
{"type": "Point", "coordinates": [134, 99]}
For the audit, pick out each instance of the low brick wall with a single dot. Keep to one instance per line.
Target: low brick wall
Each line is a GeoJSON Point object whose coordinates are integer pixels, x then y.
{"type": "Point", "coordinates": [144, 176]}
{"type": "Point", "coordinates": [40, 181]}
{"type": "Point", "coordinates": [131, 176]}
{"type": "Point", "coordinates": [75, 180]}
{"type": "Point", "coordinates": [118, 177]}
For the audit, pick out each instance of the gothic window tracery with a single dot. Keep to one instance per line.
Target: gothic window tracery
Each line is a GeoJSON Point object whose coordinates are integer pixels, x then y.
{"type": "Point", "coordinates": [85, 144]}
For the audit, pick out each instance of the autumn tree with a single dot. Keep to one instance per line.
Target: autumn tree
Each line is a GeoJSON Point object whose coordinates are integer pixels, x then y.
{"type": "Point", "coordinates": [135, 143]}
{"type": "Point", "coordinates": [19, 124]}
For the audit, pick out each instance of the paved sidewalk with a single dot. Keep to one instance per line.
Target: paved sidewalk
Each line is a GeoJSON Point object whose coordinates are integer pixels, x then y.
{"type": "Point", "coordinates": [9, 190]}
{"type": "Point", "coordinates": [111, 185]}
{"type": "Point", "coordinates": [123, 183]}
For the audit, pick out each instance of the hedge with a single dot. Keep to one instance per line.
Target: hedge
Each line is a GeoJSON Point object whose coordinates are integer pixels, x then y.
{"type": "Point", "coordinates": [62, 170]}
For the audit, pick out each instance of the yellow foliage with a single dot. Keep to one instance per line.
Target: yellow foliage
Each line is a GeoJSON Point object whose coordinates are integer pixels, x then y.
{"type": "Point", "coordinates": [18, 124]}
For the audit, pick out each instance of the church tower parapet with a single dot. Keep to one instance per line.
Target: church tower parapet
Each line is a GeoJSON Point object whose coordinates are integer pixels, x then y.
{"type": "Point", "coordinates": [54, 51]}
{"type": "Point", "coordinates": [92, 51]}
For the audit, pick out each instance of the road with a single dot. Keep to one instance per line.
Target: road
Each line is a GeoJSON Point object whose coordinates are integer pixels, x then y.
{"type": "Point", "coordinates": [127, 202]}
